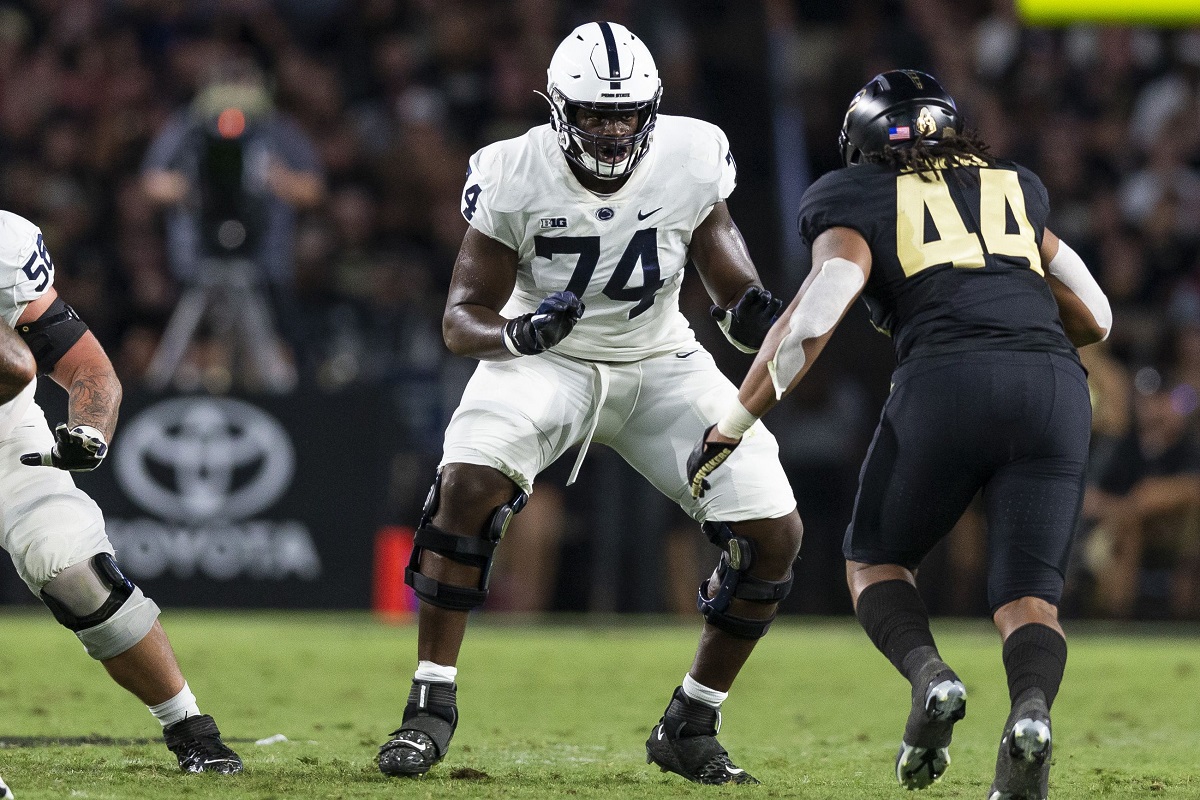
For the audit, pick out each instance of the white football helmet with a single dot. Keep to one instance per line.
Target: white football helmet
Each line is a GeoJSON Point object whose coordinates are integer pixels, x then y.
{"type": "Point", "coordinates": [603, 66]}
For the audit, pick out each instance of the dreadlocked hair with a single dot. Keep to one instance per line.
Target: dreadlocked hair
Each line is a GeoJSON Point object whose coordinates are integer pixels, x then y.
{"type": "Point", "coordinates": [924, 156]}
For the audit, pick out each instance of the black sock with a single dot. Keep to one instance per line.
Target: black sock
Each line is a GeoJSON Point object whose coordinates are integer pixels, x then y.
{"type": "Point", "coordinates": [1035, 657]}
{"type": "Point", "coordinates": [894, 617]}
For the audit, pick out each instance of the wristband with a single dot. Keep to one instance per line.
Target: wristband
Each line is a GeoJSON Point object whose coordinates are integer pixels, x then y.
{"type": "Point", "coordinates": [736, 422]}
{"type": "Point", "coordinates": [90, 432]}
{"type": "Point", "coordinates": [509, 344]}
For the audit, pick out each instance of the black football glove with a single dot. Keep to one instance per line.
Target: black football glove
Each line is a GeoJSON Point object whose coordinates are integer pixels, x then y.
{"type": "Point", "coordinates": [746, 324]}
{"type": "Point", "coordinates": [80, 449]}
{"type": "Point", "coordinates": [706, 456]}
{"type": "Point", "coordinates": [535, 333]}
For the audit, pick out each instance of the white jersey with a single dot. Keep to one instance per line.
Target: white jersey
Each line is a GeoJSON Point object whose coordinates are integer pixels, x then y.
{"type": "Point", "coordinates": [623, 254]}
{"type": "Point", "coordinates": [46, 522]}
{"type": "Point", "coordinates": [26, 273]}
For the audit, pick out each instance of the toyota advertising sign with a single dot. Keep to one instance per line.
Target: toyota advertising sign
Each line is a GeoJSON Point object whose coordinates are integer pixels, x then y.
{"type": "Point", "coordinates": [180, 459]}
{"type": "Point", "coordinates": [238, 501]}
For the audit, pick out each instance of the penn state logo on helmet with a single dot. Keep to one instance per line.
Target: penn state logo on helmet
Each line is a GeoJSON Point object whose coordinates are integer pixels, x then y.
{"type": "Point", "coordinates": [894, 109]}
{"type": "Point", "coordinates": [601, 66]}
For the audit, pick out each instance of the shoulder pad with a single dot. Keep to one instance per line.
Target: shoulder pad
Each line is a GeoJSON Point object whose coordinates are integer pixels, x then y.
{"type": "Point", "coordinates": [18, 240]}
{"type": "Point", "coordinates": [512, 171]}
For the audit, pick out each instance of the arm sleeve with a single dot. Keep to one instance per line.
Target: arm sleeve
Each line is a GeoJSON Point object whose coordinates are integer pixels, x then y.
{"type": "Point", "coordinates": [1069, 268]}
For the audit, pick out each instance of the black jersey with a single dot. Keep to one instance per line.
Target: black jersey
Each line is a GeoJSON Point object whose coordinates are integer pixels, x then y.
{"type": "Point", "coordinates": [955, 262]}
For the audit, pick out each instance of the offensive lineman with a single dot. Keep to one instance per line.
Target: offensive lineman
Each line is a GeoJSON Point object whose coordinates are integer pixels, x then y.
{"type": "Point", "coordinates": [51, 529]}
{"type": "Point", "coordinates": [567, 290]}
{"type": "Point", "coordinates": [948, 246]}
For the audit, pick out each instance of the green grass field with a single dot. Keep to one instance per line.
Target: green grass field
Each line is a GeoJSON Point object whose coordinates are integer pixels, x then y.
{"type": "Point", "coordinates": [563, 710]}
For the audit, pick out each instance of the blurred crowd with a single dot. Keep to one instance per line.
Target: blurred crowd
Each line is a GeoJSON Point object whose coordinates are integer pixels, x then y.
{"type": "Point", "coordinates": [384, 101]}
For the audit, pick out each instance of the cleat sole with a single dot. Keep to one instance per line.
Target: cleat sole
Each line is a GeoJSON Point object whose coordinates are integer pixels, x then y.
{"type": "Point", "coordinates": [919, 767]}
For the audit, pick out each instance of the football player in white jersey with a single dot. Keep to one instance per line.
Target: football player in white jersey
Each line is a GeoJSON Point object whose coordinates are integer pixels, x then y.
{"type": "Point", "coordinates": [51, 529]}
{"type": "Point", "coordinates": [567, 290]}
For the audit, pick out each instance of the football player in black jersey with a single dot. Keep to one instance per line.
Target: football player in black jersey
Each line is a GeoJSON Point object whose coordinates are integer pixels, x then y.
{"type": "Point", "coordinates": [948, 247]}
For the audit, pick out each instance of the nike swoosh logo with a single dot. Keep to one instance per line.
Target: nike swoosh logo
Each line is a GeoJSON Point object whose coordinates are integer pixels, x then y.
{"type": "Point", "coordinates": [660, 732]}
{"type": "Point", "coordinates": [642, 216]}
{"type": "Point", "coordinates": [685, 355]}
{"type": "Point", "coordinates": [734, 770]}
{"type": "Point", "coordinates": [414, 745]}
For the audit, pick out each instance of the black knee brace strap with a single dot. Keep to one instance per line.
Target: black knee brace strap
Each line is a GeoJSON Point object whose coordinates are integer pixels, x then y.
{"type": "Point", "coordinates": [735, 581]}
{"type": "Point", "coordinates": [122, 590]}
{"type": "Point", "coordinates": [472, 551]}
{"type": "Point", "coordinates": [461, 549]}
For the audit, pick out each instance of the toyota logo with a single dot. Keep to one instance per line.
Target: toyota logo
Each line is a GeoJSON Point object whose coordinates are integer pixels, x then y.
{"type": "Point", "coordinates": [198, 459]}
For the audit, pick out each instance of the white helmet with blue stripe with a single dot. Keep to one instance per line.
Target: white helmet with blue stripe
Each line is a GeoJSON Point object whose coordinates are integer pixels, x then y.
{"type": "Point", "coordinates": [603, 67]}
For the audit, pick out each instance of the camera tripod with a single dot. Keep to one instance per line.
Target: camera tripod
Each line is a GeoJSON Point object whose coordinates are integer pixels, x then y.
{"type": "Point", "coordinates": [228, 295]}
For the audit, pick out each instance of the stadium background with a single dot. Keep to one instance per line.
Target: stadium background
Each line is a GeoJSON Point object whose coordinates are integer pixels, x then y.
{"type": "Point", "coordinates": [395, 96]}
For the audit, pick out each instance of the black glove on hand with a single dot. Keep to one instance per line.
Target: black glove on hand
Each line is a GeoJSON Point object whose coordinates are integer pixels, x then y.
{"type": "Point", "coordinates": [80, 449]}
{"type": "Point", "coordinates": [706, 457]}
{"type": "Point", "coordinates": [746, 324]}
{"type": "Point", "coordinates": [535, 333]}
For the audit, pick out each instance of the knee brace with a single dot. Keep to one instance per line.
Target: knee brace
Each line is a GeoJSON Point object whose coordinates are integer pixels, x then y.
{"type": "Point", "coordinates": [735, 581]}
{"type": "Point", "coordinates": [475, 552]}
{"type": "Point", "coordinates": [104, 609]}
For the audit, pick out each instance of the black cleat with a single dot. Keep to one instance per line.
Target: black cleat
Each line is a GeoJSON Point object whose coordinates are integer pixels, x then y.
{"type": "Point", "coordinates": [685, 742]}
{"type": "Point", "coordinates": [925, 750]}
{"type": "Point", "coordinates": [197, 744]}
{"type": "Point", "coordinates": [1023, 763]}
{"type": "Point", "coordinates": [424, 737]}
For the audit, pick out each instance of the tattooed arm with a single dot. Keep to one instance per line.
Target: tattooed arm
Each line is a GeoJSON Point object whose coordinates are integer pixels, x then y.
{"type": "Point", "coordinates": [87, 375]}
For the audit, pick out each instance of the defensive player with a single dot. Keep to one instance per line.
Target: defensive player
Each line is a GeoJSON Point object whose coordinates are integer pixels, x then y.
{"type": "Point", "coordinates": [51, 529]}
{"type": "Point", "coordinates": [948, 247]}
{"type": "Point", "coordinates": [567, 290]}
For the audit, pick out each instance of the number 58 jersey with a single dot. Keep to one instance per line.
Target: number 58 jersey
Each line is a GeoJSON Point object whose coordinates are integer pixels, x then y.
{"type": "Point", "coordinates": [26, 273]}
{"type": "Point", "coordinates": [955, 254]}
{"type": "Point", "coordinates": [622, 254]}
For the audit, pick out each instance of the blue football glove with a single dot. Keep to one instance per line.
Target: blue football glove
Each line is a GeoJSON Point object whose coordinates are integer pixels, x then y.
{"type": "Point", "coordinates": [746, 324]}
{"type": "Point", "coordinates": [535, 333]}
